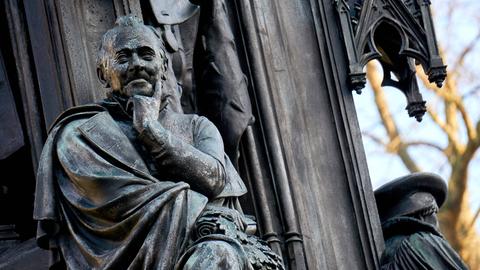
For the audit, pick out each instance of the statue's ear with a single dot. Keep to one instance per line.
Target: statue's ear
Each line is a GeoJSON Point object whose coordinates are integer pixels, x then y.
{"type": "Point", "coordinates": [101, 77]}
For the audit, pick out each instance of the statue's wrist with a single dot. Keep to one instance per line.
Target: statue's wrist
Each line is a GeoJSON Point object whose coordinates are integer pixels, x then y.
{"type": "Point", "coordinates": [153, 135]}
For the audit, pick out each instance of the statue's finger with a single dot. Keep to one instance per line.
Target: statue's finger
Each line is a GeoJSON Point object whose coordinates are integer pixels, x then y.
{"type": "Point", "coordinates": [157, 91]}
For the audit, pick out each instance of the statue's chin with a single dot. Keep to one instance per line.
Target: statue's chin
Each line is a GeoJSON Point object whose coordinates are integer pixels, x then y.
{"type": "Point", "coordinates": [138, 87]}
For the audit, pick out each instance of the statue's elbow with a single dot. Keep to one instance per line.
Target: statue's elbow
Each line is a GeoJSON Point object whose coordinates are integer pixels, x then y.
{"type": "Point", "coordinates": [216, 187]}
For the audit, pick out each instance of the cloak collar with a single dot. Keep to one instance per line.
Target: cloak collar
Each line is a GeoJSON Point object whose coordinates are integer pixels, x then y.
{"type": "Point", "coordinates": [407, 225]}
{"type": "Point", "coordinates": [102, 131]}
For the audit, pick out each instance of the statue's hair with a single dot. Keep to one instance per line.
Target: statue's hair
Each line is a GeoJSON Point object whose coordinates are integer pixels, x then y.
{"type": "Point", "coordinates": [109, 37]}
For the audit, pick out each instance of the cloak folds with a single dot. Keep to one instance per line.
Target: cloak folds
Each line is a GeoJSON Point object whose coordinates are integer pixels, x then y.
{"type": "Point", "coordinates": [97, 204]}
{"type": "Point", "coordinates": [413, 244]}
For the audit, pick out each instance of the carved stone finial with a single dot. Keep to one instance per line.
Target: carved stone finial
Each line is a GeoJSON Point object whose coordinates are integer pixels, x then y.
{"type": "Point", "coordinates": [417, 110]}
{"type": "Point", "coordinates": [437, 75]}
{"type": "Point", "coordinates": [395, 33]}
{"type": "Point", "coordinates": [358, 81]}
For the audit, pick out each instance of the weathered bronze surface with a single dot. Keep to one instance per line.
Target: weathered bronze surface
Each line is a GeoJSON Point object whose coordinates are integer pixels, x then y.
{"type": "Point", "coordinates": [302, 159]}
{"type": "Point", "coordinates": [407, 208]}
{"type": "Point", "coordinates": [173, 11]}
{"type": "Point", "coordinates": [225, 102]}
{"type": "Point", "coordinates": [130, 183]}
{"type": "Point", "coordinates": [11, 134]}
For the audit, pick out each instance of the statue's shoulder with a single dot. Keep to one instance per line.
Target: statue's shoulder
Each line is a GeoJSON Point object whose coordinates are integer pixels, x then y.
{"type": "Point", "coordinates": [187, 117]}
{"type": "Point", "coordinates": [189, 121]}
{"type": "Point", "coordinates": [198, 120]}
{"type": "Point", "coordinates": [77, 112]}
{"type": "Point", "coordinates": [203, 125]}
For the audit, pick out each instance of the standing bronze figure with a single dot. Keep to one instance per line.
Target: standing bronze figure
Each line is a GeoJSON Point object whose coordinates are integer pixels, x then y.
{"type": "Point", "coordinates": [408, 208]}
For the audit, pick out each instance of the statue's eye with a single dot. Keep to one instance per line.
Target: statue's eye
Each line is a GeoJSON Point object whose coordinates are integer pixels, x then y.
{"type": "Point", "coordinates": [146, 53]}
{"type": "Point", "coordinates": [121, 57]}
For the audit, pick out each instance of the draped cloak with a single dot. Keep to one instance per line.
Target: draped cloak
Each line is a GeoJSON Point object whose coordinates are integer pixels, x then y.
{"type": "Point", "coordinates": [414, 244]}
{"type": "Point", "coordinates": [100, 204]}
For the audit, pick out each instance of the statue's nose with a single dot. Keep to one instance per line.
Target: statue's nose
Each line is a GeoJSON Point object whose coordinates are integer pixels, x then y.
{"type": "Point", "coordinates": [135, 63]}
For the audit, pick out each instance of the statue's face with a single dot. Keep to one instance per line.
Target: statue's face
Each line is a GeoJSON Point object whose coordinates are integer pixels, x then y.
{"type": "Point", "coordinates": [431, 219]}
{"type": "Point", "coordinates": [135, 62]}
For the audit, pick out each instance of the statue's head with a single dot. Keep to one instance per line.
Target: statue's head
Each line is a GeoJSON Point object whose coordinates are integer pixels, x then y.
{"type": "Point", "coordinates": [132, 59]}
{"type": "Point", "coordinates": [417, 195]}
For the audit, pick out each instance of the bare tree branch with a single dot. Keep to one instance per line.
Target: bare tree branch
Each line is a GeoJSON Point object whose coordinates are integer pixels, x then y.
{"type": "Point", "coordinates": [395, 145]}
{"type": "Point", "coordinates": [450, 96]}
{"type": "Point", "coordinates": [465, 52]}
{"type": "Point", "coordinates": [474, 219]}
{"type": "Point", "coordinates": [447, 129]}
{"type": "Point", "coordinates": [374, 126]}
{"type": "Point", "coordinates": [428, 144]}
{"type": "Point", "coordinates": [374, 138]}
{"type": "Point", "coordinates": [471, 92]}
{"type": "Point", "coordinates": [452, 8]}
{"type": "Point", "coordinates": [459, 176]}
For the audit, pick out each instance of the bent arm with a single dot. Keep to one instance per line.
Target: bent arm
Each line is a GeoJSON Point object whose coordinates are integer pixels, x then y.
{"type": "Point", "coordinates": [200, 165]}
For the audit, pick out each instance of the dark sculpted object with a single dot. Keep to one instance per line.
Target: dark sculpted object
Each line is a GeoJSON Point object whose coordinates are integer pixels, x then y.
{"type": "Point", "coordinates": [131, 184]}
{"type": "Point", "coordinates": [407, 208]}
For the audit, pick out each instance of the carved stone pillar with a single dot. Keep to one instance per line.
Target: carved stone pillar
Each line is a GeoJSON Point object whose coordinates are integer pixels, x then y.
{"type": "Point", "coordinates": [307, 170]}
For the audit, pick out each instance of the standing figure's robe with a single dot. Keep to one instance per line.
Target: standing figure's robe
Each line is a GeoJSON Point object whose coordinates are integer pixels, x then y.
{"type": "Point", "coordinates": [105, 200]}
{"type": "Point", "coordinates": [413, 244]}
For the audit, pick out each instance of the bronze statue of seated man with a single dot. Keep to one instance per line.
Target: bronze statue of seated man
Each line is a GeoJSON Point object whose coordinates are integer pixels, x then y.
{"type": "Point", "coordinates": [131, 184]}
{"type": "Point", "coordinates": [407, 207]}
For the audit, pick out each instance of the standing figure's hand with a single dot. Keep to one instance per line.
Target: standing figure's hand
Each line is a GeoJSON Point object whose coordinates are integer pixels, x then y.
{"type": "Point", "coordinates": [146, 109]}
